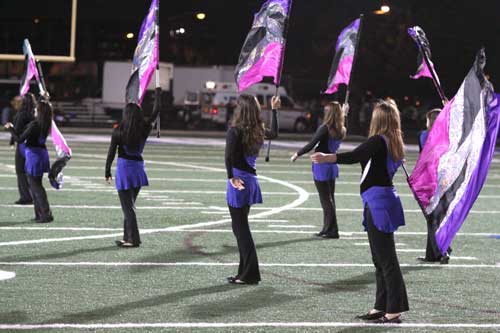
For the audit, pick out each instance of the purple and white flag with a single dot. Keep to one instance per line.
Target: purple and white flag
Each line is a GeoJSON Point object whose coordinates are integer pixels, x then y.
{"type": "Point", "coordinates": [146, 57]}
{"type": "Point", "coordinates": [262, 53]}
{"type": "Point", "coordinates": [454, 163]}
{"type": "Point", "coordinates": [424, 51]}
{"type": "Point", "coordinates": [340, 73]}
{"type": "Point", "coordinates": [30, 69]}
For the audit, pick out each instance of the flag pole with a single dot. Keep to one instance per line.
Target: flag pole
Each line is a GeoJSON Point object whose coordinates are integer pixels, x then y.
{"type": "Point", "coordinates": [354, 60]}
{"type": "Point", "coordinates": [439, 89]}
{"type": "Point", "coordinates": [280, 70]}
{"type": "Point", "coordinates": [41, 84]}
{"type": "Point", "coordinates": [157, 71]}
{"type": "Point", "coordinates": [422, 209]}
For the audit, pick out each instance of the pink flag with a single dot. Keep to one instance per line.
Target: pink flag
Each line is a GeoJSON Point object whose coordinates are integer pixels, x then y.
{"type": "Point", "coordinates": [30, 68]}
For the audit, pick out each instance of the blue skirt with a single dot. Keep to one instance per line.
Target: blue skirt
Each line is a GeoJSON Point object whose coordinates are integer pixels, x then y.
{"type": "Point", "coordinates": [22, 149]}
{"type": "Point", "coordinates": [37, 161]}
{"type": "Point", "coordinates": [130, 174]}
{"type": "Point", "coordinates": [325, 171]}
{"type": "Point", "coordinates": [385, 207]}
{"type": "Point", "coordinates": [249, 196]}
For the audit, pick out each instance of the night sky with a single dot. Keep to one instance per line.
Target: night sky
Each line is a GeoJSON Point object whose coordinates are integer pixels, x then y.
{"type": "Point", "coordinates": [456, 30]}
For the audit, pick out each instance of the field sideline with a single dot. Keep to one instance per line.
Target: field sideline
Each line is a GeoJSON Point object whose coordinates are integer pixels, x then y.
{"type": "Point", "coordinates": [69, 276]}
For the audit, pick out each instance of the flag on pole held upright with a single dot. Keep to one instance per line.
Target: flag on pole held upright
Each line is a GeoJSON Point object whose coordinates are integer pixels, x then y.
{"type": "Point", "coordinates": [146, 57]}
{"type": "Point", "coordinates": [30, 69]}
{"type": "Point", "coordinates": [63, 151]}
{"type": "Point", "coordinates": [454, 163]}
{"type": "Point", "coordinates": [424, 50]}
{"type": "Point", "coordinates": [345, 50]}
{"type": "Point", "coordinates": [262, 53]}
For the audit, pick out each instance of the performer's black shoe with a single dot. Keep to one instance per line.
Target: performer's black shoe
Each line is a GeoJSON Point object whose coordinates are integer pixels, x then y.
{"type": "Point", "coordinates": [371, 316]}
{"type": "Point", "coordinates": [425, 259]}
{"type": "Point", "coordinates": [234, 280]}
{"type": "Point", "coordinates": [445, 260]}
{"type": "Point", "coordinates": [48, 219]}
{"type": "Point", "coordinates": [332, 236]}
{"type": "Point", "coordinates": [319, 234]}
{"type": "Point", "coordinates": [385, 320]}
{"type": "Point", "coordinates": [126, 244]}
{"type": "Point", "coordinates": [23, 202]}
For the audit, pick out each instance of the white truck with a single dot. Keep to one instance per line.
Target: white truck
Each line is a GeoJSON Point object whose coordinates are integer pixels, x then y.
{"type": "Point", "coordinates": [116, 75]}
{"type": "Point", "coordinates": [215, 97]}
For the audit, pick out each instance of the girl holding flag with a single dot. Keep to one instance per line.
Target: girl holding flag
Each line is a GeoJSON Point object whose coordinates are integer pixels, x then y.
{"type": "Point", "coordinates": [37, 157]}
{"type": "Point", "coordinates": [243, 142]}
{"type": "Point", "coordinates": [129, 138]}
{"type": "Point", "coordinates": [327, 140]}
{"type": "Point", "coordinates": [380, 157]}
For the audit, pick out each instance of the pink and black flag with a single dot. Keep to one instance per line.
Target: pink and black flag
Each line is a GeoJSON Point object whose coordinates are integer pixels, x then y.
{"type": "Point", "coordinates": [454, 163]}
{"type": "Point", "coordinates": [262, 54]}
{"type": "Point", "coordinates": [30, 69]}
{"type": "Point", "coordinates": [424, 51]}
{"type": "Point", "coordinates": [146, 57]}
{"type": "Point", "coordinates": [345, 50]}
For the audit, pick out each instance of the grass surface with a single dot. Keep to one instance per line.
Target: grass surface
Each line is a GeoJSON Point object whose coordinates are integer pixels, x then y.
{"type": "Point", "coordinates": [70, 272]}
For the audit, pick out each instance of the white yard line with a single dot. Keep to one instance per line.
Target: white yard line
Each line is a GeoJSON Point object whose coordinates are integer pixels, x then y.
{"type": "Point", "coordinates": [268, 210]}
{"type": "Point", "coordinates": [219, 264]}
{"type": "Point", "coordinates": [4, 275]}
{"type": "Point", "coordinates": [243, 325]}
{"type": "Point", "coordinates": [292, 226]}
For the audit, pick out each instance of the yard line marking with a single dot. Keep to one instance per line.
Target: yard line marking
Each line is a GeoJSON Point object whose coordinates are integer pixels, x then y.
{"type": "Point", "coordinates": [292, 226]}
{"type": "Point", "coordinates": [4, 275]}
{"type": "Point", "coordinates": [61, 228]}
{"type": "Point", "coordinates": [342, 233]}
{"type": "Point", "coordinates": [242, 325]}
{"type": "Point", "coordinates": [411, 250]}
{"type": "Point", "coordinates": [464, 258]}
{"type": "Point", "coordinates": [229, 264]}
{"type": "Point", "coordinates": [268, 210]}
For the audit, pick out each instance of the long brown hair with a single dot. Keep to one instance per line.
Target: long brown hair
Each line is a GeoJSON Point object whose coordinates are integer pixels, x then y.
{"type": "Point", "coordinates": [334, 120]}
{"type": "Point", "coordinates": [44, 116]}
{"type": "Point", "coordinates": [247, 120]}
{"type": "Point", "coordinates": [385, 121]}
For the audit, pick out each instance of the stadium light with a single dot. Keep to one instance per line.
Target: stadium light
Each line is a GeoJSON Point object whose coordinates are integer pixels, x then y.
{"type": "Point", "coordinates": [385, 9]}
{"type": "Point", "coordinates": [201, 16]}
{"type": "Point", "coordinates": [129, 35]}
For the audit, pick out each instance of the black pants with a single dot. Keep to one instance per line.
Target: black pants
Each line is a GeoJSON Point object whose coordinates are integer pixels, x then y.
{"type": "Point", "coordinates": [248, 270]}
{"type": "Point", "coordinates": [130, 228]}
{"type": "Point", "coordinates": [22, 179]}
{"type": "Point", "coordinates": [326, 191]}
{"type": "Point", "coordinates": [40, 201]}
{"type": "Point", "coordinates": [432, 252]}
{"type": "Point", "coordinates": [391, 294]}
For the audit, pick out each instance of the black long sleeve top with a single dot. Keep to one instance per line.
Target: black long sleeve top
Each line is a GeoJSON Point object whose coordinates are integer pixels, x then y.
{"type": "Point", "coordinates": [320, 139]}
{"type": "Point", "coordinates": [31, 134]}
{"type": "Point", "coordinates": [21, 120]}
{"type": "Point", "coordinates": [372, 155]}
{"type": "Point", "coordinates": [117, 145]}
{"type": "Point", "coordinates": [235, 155]}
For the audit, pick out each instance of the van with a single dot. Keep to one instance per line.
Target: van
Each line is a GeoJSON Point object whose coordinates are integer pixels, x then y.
{"type": "Point", "coordinates": [215, 98]}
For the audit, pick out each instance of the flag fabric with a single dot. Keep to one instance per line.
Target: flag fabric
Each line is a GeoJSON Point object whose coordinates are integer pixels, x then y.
{"type": "Point", "coordinates": [146, 57]}
{"type": "Point", "coordinates": [345, 48]}
{"type": "Point", "coordinates": [262, 53]}
{"type": "Point", "coordinates": [424, 48]}
{"type": "Point", "coordinates": [30, 69]}
{"type": "Point", "coordinates": [454, 163]}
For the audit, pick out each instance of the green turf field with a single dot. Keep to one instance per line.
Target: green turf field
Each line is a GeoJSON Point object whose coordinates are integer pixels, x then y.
{"type": "Point", "coordinates": [69, 272]}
